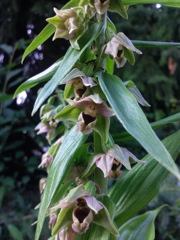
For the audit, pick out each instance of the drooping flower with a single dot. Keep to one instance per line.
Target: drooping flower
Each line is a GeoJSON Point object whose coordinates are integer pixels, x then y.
{"type": "Point", "coordinates": [71, 23]}
{"type": "Point", "coordinates": [117, 46]}
{"type": "Point", "coordinates": [91, 106]}
{"type": "Point", "coordinates": [66, 22]}
{"type": "Point", "coordinates": [84, 207]}
{"type": "Point", "coordinates": [101, 6]}
{"type": "Point", "coordinates": [78, 210]}
{"type": "Point", "coordinates": [81, 85]}
{"type": "Point", "coordinates": [46, 160]}
{"type": "Point", "coordinates": [111, 162]}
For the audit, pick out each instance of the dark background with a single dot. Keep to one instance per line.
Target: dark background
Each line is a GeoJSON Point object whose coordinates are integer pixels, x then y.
{"type": "Point", "coordinates": [21, 148]}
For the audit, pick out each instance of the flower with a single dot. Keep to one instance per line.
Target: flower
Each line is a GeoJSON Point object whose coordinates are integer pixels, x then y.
{"type": "Point", "coordinates": [46, 160]}
{"type": "Point", "coordinates": [52, 220]}
{"type": "Point", "coordinates": [111, 162]}
{"type": "Point", "coordinates": [117, 47]}
{"type": "Point", "coordinates": [81, 84]}
{"type": "Point", "coordinates": [66, 22]}
{"type": "Point", "coordinates": [91, 106]}
{"type": "Point", "coordinates": [83, 207]}
{"type": "Point", "coordinates": [42, 184]}
{"type": "Point", "coordinates": [101, 6]}
{"type": "Point", "coordinates": [66, 234]}
{"type": "Point", "coordinates": [78, 210]}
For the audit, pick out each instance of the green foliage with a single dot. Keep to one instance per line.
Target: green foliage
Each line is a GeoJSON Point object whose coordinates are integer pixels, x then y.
{"type": "Point", "coordinates": [140, 227]}
{"type": "Point", "coordinates": [70, 158]}
{"type": "Point", "coordinates": [62, 162]}
{"type": "Point", "coordinates": [90, 94]}
{"type": "Point", "coordinates": [139, 186]}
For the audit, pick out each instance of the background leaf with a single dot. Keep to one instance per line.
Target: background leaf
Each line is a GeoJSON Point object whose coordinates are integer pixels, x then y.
{"type": "Point", "coordinates": [172, 3]}
{"type": "Point", "coordinates": [140, 185]}
{"type": "Point", "coordinates": [140, 227]}
{"type": "Point", "coordinates": [42, 37]}
{"type": "Point", "coordinates": [154, 44]}
{"type": "Point", "coordinates": [15, 233]}
{"type": "Point", "coordinates": [134, 121]}
{"type": "Point", "coordinates": [39, 78]}
{"type": "Point", "coordinates": [155, 125]}
{"type": "Point", "coordinates": [58, 171]}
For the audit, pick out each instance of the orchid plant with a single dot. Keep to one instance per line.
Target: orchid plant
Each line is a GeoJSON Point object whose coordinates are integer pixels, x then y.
{"type": "Point", "coordinates": [81, 98]}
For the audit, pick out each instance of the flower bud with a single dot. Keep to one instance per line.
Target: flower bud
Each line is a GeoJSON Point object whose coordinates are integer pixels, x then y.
{"type": "Point", "coordinates": [101, 6]}
{"type": "Point", "coordinates": [42, 184]}
{"type": "Point", "coordinates": [46, 160]}
{"type": "Point", "coordinates": [52, 220]}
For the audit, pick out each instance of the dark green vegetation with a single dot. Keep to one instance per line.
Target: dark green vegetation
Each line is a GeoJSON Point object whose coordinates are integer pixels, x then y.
{"type": "Point", "coordinates": [21, 149]}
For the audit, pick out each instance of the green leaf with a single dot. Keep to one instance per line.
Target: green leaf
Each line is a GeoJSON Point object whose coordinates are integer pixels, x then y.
{"type": "Point", "coordinates": [140, 185]}
{"type": "Point", "coordinates": [64, 219]}
{"type": "Point", "coordinates": [167, 120]}
{"type": "Point", "coordinates": [134, 120]}
{"type": "Point", "coordinates": [58, 171]}
{"type": "Point", "coordinates": [68, 113]}
{"type": "Point", "coordinates": [117, 6]}
{"type": "Point", "coordinates": [15, 233]}
{"type": "Point", "coordinates": [102, 127]}
{"type": "Point", "coordinates": [140, 227]}
{"type": "Point", "coordinates": [155, 44]}
{"type": "Point", "coordinates": [42, 37]}
{"type": "Point", "coordinates": [103, 219]}
{"type": "Point", "coordinates": [39, 78]}
{"type": "Point", "coordinates": [129, 55]}
{"type": "Point", "coordinates": [4, 97]}
{"type": "Point", "coordinates": [172, 3]}
{"type": "Point", "coordinates": [73, 74]}
{"type": "Point", "coordinates": [67, 64]}
{"type": "Point", "coordinates": [160, 123]}
{"type": "Point", "coordinates": [95, 232]}
{"type": "Point", "coordinates": [70, 4]}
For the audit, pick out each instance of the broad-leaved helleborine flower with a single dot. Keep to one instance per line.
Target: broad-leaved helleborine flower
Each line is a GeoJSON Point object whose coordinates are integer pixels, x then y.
{"type": "Point", "coordinates": [83, 207]}
{"type": "Point", "coordinates": [42, 184]}
{"type": "Point", "coordinates": [81, 84]}
{"type": "Point", "coordinates": [66, 234]}
{"type": "Point", "coordinates": [67, 23]}
{"type": "Point", "coordinates": [91, 106]}
{"type": "Point", "coordinates": [110, 163]}
{"type": "Point", "coordinates": [101, 6]}
{"type": "Point", "coordinates": [116, 48]}
{"type": "Point", "coordinates": [46, 160]}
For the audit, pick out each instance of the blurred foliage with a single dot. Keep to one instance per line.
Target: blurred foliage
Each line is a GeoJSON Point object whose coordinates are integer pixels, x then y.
{"type": "Point", "coordinates": [21, 149]}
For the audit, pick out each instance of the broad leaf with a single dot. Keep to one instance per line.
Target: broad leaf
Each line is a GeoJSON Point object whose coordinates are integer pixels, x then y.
{"type": "Point", "coordinates": [58, 171]}
{"type": "Point", "coordinates": [160, 123]}
{"type": "Point", "coordinates": [39, 78]}
{"type": "Point", "coordinates": [67, 64]}
{"type": "Point", "coordinates": [41, 38]}
{"type": "Point", "coordinates": [140, 185]}
{"type": "Point", "coordinates": [172, 3]}
{"type": "Point", "coordinates": [140, 227]}
{"type": "Point", "coordinates": [134, 120]}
